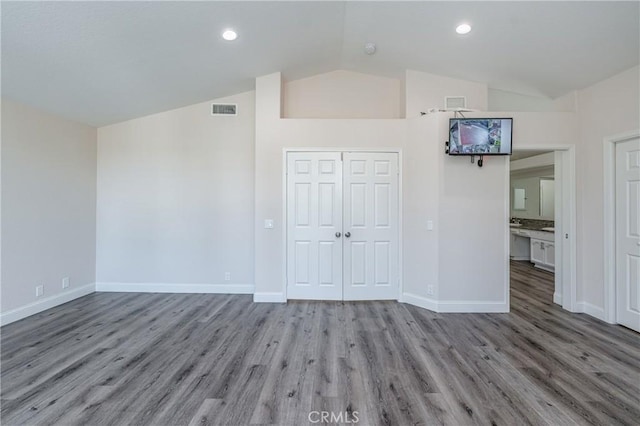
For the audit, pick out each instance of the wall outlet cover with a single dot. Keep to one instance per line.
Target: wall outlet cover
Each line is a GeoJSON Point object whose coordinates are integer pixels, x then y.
{"type": "Point", "coordinates": [39, 290]}
{"type": "Point", "coordinates": [65, 282]}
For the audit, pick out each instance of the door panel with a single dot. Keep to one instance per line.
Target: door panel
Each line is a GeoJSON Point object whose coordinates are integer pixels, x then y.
{"type": "Point", "coordinates": [550, 254]}
{"type": "Point", "coordinates": [628, 233]}
{"type": "Point", "coordinates": [371, 264]}
{"type": "Point", "coordinates": [322, 265]}
{"type": "Point", "coordinates": [314, 215]}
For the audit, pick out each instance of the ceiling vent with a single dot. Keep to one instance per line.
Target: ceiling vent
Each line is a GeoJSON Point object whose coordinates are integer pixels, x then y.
{"type": "Point", "coordinates": [455, 103]}
{"type": "Point", "coordinates": [224, 109]}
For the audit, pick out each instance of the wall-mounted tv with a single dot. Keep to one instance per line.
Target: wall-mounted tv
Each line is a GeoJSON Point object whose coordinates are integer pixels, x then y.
{"type": "Point", "coordinates": [480, 136]}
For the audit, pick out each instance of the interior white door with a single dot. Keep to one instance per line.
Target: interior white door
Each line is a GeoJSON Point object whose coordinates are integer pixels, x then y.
{"type": "Point", "coordinates": [628, 233]}
{"type": "Point", "coordinates": [314, 226]}
{"type": "Point", "coordinates": [371, 270]}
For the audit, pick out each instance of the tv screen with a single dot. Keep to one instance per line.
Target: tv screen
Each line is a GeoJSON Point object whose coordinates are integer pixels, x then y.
{"type": "Point", "coordinates": [480, 136]}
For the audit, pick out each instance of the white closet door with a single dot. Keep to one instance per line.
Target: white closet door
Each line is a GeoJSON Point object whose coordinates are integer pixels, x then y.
{"type": "Point", "coordinates": [371, 269]}
{"type": "Point", "coordinates": [314, 226]}
{"type": "Point", "coordinates": [628, 234]}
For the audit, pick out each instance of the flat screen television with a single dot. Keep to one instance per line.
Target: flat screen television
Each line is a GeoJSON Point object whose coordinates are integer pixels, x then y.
{"type": "Point", "coordinates": [480, 136]}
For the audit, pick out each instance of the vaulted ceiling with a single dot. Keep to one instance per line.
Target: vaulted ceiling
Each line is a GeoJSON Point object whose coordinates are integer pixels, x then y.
{"type": "Point", "coordinates": [104, 62]}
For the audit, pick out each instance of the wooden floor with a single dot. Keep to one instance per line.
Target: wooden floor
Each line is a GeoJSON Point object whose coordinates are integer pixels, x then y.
{"type": "Point", "coordinates": [160, 359]}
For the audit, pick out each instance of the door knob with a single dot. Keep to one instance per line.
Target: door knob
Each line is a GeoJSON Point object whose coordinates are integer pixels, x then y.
{"type": "Point", "coordinates": [338, 234]}
{"type": "Point", "coordinates": [347, 234]}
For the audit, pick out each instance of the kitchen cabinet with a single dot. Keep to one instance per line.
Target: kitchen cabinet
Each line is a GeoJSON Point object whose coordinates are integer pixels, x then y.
{"type": "Point", "coordinates": [519, 247]}
{"type": "Point", "coordinates": [543, 254]}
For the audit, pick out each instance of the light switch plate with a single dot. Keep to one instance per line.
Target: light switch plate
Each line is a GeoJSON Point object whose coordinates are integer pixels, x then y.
{"type": "Point", "coordinates": [268, 223]}
{"type": "Point", "coordinates": [430, 225]}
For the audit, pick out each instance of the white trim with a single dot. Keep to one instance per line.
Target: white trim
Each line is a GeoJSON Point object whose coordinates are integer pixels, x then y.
{"type": "Point", "coordinates": [44, 304]}
{"type": "Point", "coordinates": [472, 306]}
{"type": "Point", "coordinates": [557, 298]}
{"type": "Point", "coordinates": [400, 227]}
{"type": "Point", "coordinates": [566, 257]}
{"type": "Point", "coordinates": [419, 301]}
{"type": "Point", "coordinates": [589, 309]}
{"type": "Point", "coordinates": [507, 239]}
{"type": "Point", "coordinates": [455, 306]}
{"type": "Point", "coordinates": [286, 151]}
{"type": "Point", "coordinates": [544, 267]}
{"type": "Point", "coordinates": [285, 162]}
{"type": "Point", "coordinates": [175, 288]}
{"type": "Point", "coordinates": [609, 202]}
{"type": "Point", "coordinates": [271, 297]}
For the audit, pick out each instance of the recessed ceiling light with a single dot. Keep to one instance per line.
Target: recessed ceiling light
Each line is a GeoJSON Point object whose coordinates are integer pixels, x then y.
{"type": "Point", "coordinates": [229, 35]}
{"type": "Point", "coordinates": [463, 28]}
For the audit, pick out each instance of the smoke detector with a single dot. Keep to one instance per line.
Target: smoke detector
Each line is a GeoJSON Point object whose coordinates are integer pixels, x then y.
{"type": "Point", "coordinates": [370, 48]}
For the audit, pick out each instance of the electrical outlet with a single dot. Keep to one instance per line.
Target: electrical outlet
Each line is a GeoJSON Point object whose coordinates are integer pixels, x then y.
{"type": "Point", "coordinates": [227, 276]}
{"type": "Point", "coordinates": [39, 290]}
{"type": "Point", "coordinates": [429, 225]}
{"type": "Point", "coordinates": [430, 290]}
{"type": "Point", "coordinates": [65, 282]}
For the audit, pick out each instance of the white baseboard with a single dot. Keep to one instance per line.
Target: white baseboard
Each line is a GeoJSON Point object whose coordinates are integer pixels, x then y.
{"type": "Point", "coordinates": [544, 268]}
{"type": "Point", "coordinates": [421, 302]}
{"type": "Point", "coordinates": [44, 304]}
{"type": "Point", "coordinates": [175, 288]}
{"type": "Point", "coordinates": [557, 298]}
{"type": "Point", "coordinates": [269, 298]}
{"type": "Point", "coordinates": [589, 309]}
{"type": "Point", "coordinates": [454, 306]}
{"type": "Point", "coordinates": [472, 306]}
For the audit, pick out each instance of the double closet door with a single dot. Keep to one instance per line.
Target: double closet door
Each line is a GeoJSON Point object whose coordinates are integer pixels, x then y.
{"type": "Point", "coordinates": [342, 226]}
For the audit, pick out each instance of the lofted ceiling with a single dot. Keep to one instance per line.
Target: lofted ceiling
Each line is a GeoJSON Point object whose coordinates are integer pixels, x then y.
{"type": "Point", "coordinates": [105, 62]}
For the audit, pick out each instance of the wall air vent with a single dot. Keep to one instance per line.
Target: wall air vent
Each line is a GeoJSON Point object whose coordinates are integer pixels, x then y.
{"type": "Point", "coordinates": [224, 109]}
{"type": "Point", "coordinates": [455, 103]}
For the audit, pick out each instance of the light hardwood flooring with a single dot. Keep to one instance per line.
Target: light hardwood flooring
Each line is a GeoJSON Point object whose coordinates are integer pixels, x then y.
{"type": "Point", "coordinates": [173, 359]}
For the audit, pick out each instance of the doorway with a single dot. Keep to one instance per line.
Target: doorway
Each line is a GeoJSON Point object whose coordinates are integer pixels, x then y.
{"type": "Point", "coordinates": [342, 225]}
{"type": "Point", "coordinates": [532, 222]}
{"type": "Point", "coordinates": [560, 252]}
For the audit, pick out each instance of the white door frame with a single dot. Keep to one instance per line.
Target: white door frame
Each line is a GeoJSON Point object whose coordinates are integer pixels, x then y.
{"type": "Point", "coordinates": [565, 292]}
{"type": "Point", "coordinates": [286, 151]}
{"type": "Point", "coordinates": [609, 158]}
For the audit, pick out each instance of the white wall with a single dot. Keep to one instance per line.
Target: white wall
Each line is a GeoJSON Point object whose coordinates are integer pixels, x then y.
{"type": "Point", "coordinates": [537, 161]}
{"type": "Point", "coordinates": [421, 167]}
{"type": "Point", "coordinates": [530, 182]}
{"type": "Point", "coordinates": [465, 256]}
{"type": "Point", "coordinates": [342, 94]}
{"type": "Point", "coordinates": [176, 192]}
{"type": "Point", "coordinates": [473, 217]}
{"type": "Point", "coordinates": [425, 91]}
{"type": "Point", "coordinates": [607, 108]}
{"type": "Point", "coordinates": [273, 134]}
{"type": "Point", "coordinates": [48, 209]}
{"type": "Point", "coordinates": [501, 100]}
{"type": "Point", "coordinates": [525, 174]}
{"type": "Point", "coordinates": [175, 201]}
{"type": "Point", "coordinates": [473, 207]}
